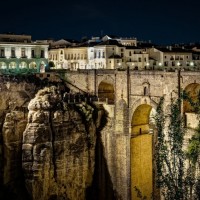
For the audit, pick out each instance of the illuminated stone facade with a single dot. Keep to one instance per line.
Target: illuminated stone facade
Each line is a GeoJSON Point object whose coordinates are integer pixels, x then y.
{"type": "Point", "coordinates": [100, 54]}
{"type": "Point", "coordinates": [129, 137]}
{"type": "Point", "coordinates": [72, 58]}
{"type": "Point", "coordinates": [117, 53]}
{"type": "Point", "coordinates": [19, 54]}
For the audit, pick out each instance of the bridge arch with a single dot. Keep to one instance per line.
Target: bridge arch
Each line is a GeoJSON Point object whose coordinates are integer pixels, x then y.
{"type": "Point", "coordinates": [106, 91]}
{"type": "Point", "coordinates": [141, 148]}
{"type": "Point", "coordinates": [192, 90]}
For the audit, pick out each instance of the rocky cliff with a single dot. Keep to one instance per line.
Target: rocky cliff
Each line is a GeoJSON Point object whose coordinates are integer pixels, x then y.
{"type": "Point", "coordinates": [50, 148]}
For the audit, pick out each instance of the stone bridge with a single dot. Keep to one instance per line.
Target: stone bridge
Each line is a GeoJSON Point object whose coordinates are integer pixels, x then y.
{"type": "Point", "coordinates": [131, 98]}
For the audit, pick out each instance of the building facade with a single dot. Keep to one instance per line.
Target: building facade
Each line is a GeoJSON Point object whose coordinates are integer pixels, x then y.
{"type": "Point", "coordinates": [19, 54]}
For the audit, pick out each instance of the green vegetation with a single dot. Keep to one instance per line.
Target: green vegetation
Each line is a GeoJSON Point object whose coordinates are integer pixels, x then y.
{"type": "Point", "coordinates": [175, 177]}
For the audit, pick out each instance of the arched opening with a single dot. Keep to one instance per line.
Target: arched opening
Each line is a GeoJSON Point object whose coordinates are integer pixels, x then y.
{"type": "Point", "coordinates": [106, 92]}
{"type": "Point", "coordinates": [3, 65]}
{"type": "Point", "coordinates": [192, 90]}
{"type": "Point", "coordinates": [12, 65]}
{"type": "Point", "coordinates": [193, 93]}
{"type": "Point", "coordinates": [42, 67]}
{"type": "Point", "coordinates": [142, 152]}
{"type": "Point", "coordinates": [32, 65]}
{"type": "Point", "coordinates": [23, 65]}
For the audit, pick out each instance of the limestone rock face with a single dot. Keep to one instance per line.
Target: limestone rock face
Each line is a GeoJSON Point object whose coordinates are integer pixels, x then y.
{"type": "Point", "coordinates": [50, 149]}
{"type": "Point", "coordinates": [13, 119]}
{"type": "Point", "coordinates": [58, 151]}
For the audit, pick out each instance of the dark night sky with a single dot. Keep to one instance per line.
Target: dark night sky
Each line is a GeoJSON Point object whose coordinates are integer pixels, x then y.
{"type": "Point", "coordinates": [164, 21]}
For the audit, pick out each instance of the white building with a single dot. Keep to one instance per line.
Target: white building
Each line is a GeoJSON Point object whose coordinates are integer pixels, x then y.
{"type": "Point", "coordinates": [19, 54]}
{"type": "Point", "coordinates": [170, 58]}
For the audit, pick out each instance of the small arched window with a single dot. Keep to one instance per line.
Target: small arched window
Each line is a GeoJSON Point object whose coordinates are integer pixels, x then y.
{"type": "Point", "coordinates": [145, 91]}
{"type": "Point", "coordinates": [61, 52]}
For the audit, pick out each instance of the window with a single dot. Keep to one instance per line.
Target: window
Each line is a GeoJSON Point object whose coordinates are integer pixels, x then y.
{"type": "Point", "coordinates": [33, 53]}
{"type": "Point", "coordinates": [99, 54]}
{"type": "Point", "coordinates": [129, 53]}
{"type": "Point", "coordinates": [61, 52]}
{"type": "Point", "coordinates": [2, 53]}
{"type": "Point", "coordinates": [103, 56]}
{"type": "Point", "coordinates": [42, 54]}
{"type": "Point", "coordinates": [139, 59]}
{"type": "Point", "coordinates": [177, 58]}
{"type": "Point", "coordinates": [23, 54]}
{"type": "Point", "coordinates": [12, 53]}
{"type": "Point", "coordinates": [145, 91]}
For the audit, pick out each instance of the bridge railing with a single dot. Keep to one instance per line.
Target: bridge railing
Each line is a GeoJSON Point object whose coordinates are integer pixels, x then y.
{"type": "Point", "coordinates": [78, 98]}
